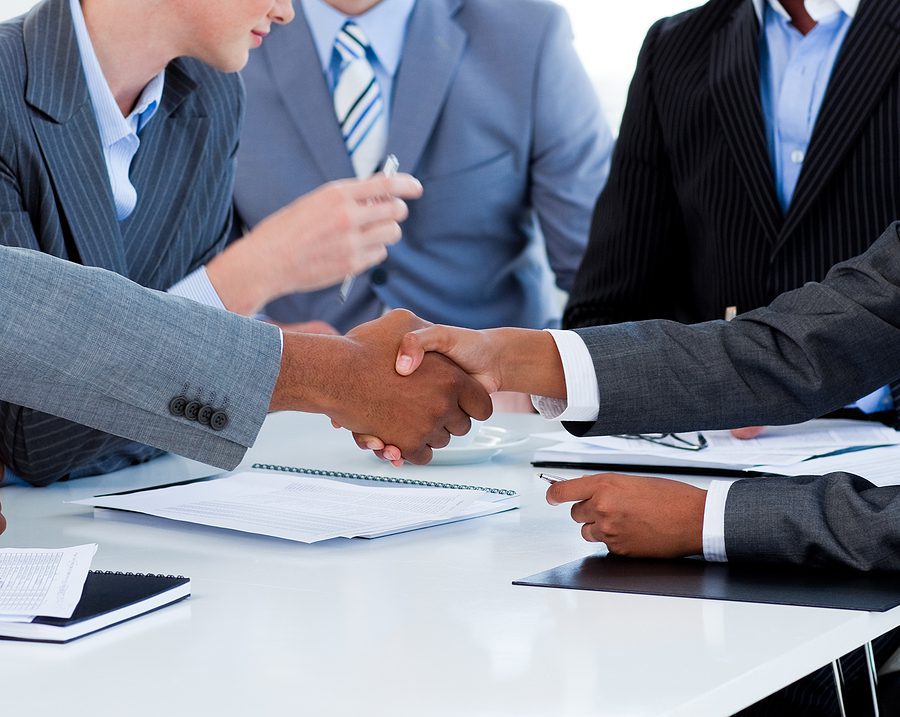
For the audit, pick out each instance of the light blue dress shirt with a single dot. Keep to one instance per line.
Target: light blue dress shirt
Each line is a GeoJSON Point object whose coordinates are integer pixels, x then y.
{"type": "Point", "coordinates": [384, 26]}
{"type": "Point", "coordinates": [794, 74]}
{"type": "Point", "coordinates": [120, 137]}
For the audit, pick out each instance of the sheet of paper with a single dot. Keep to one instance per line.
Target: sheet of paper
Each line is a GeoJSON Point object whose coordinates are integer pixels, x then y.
{"type": "Point", "coordinates": [306, 509]}
{"type": "Point", "coordinates": [879, 465]}
{"type": "Point", "coordinates": [46, 582]}
{"type": "Point", "coordinates": [776, 447]}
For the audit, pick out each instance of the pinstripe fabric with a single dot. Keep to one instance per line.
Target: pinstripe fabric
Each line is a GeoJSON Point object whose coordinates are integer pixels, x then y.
{"type": "Point", "coordinates": [689, 222]}
{"type": "Point", "coordinates": [55, 196]}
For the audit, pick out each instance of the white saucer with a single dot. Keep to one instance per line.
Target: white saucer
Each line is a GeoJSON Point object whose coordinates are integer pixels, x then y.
{"type": "Point", "coordinates": [489, 441]}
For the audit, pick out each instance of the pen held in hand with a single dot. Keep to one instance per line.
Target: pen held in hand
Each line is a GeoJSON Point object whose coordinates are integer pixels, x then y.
{"type": "Point", "coordinates": [550, 478]}
{"type": "Point", "coordinates": [388, 169]}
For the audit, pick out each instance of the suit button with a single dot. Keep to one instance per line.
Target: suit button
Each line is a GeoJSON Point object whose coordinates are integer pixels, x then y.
{"type": "Point", "coordinates": [176, 405]}
{"type": "Point", "coordinates": [205, 414]}
{"type": "Point", "coordinates": [191, 410]}
{"type": "Point", "coordinates": [378, 276]}
{"type": "Point", "coordinates": [218, 420]}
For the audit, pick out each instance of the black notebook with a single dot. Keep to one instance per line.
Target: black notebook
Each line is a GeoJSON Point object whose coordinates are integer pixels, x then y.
{"type": "Point", "coordinates": [108, 598]}
{"type": "Point", "coordinates": [743, 582]}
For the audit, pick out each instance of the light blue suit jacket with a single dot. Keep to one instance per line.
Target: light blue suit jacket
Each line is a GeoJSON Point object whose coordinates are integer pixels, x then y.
{"type": "Point", "coordinates": [493, 111]}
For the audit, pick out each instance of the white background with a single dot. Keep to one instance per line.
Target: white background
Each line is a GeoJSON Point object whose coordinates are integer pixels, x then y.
{"type": "Point", "coordinates": [608, 35]}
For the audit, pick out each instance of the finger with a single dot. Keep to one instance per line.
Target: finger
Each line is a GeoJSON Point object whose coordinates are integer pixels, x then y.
{"type": "Point", "coordinates": [747, 433]}
{"type": "Point", "coordinates": [410, 353]}
{"type": "Point", "coordinates": [587, 532]}
{"type": "Point", "coordinates": [438, 438]}
{"type": "Point", "coordinates": [474, 400]}
{"type": "Point", "coordinates": [388, 210]}
{"type": "Point", "coordinates": [380, 234]}
{"type": "Point", "coordinates": [574, 490]}
{"type": "Point", "coordinates": [581, 512]}
{"type": "Point", "coordinates": [367, 442]}
{"type": "Point", "coordinates": [336, 424]}
{"type": "Point", "coordinates": [458, 425]}
{"type": "Point", "coordinates": [378, 186]}
{"type": "Point", "coordinates": [418, 456]}
{"type": "Point", "coordinates": [368, 258]}
{"type": "Point", "coordinates": [392, 454]}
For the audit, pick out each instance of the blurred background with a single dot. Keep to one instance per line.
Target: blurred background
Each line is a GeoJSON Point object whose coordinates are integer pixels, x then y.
{"type": "Point", "coordinates": [608, 36]}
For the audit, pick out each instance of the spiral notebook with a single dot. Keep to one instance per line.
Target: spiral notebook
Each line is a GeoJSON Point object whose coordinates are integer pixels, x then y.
{"type": "Point", "coordinates": [309, 505]}
{"type": "Point", "coordinates": [108, 598]}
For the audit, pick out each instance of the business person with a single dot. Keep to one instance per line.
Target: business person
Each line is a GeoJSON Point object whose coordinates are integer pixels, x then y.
{"type": "Point", "coordinates": [118, 130]}
{"type": "Point", "coordinates": [754, 153]}
{"type": "Point", "coordinates": [809, 351]}
{"type": "Point", "coordinates": [484, 100]}
{"type": "Point", "coordinates": [182, 377]}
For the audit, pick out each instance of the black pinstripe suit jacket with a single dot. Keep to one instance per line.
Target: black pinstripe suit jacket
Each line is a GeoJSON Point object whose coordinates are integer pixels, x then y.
{"type": "Point", "coordinates": [55, 196]}
{"type": "Point", "coordinates": [689, 222]}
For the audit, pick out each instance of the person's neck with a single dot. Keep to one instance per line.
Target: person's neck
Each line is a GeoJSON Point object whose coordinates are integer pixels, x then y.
{"type": "Point", "coordinates": [129, 41]}
{"type": "Point", "coordinates": [800, 18]}
{"type": "Point", "coordinates": [352, 8]}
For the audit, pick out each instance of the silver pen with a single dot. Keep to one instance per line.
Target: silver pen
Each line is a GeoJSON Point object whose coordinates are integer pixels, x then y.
{"type": "Point", "coordinates": [388, 169]}
{"type": "Point", "coordinates": [550, 478]}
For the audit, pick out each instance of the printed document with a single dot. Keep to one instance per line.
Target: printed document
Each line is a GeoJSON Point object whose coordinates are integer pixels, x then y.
{"type": "Point", "coordinates": [307, 509]}
{"type": "Point", "coordinates": [35, 581]}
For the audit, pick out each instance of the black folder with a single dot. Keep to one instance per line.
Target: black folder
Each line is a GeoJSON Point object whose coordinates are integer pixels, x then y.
{"type": "Point", "coordinates": [743, 582]}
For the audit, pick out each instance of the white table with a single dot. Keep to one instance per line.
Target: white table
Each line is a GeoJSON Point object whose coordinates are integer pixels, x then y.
{"type": "Point", "coordinates": [424, 623]}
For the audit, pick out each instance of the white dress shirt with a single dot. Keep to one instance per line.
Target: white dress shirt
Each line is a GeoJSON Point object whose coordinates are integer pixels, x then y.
{"type": "Point", "coordinates": [583, 404]}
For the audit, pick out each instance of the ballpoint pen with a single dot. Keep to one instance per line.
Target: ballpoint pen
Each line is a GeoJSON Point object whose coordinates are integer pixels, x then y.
{"type": "Point", "coordinates": [551, 478]}
{"type": "Point", "coordinates": [388, 169]}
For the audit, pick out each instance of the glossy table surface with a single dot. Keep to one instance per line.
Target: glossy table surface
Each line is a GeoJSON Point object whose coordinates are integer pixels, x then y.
{"type": "Point", "coordinates": [423, 623]}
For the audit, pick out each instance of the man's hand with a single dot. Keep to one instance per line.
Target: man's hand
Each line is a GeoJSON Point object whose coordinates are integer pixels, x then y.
{"type": "Point", "coordinates": [745, 434]}
{"type": "Point", "coordinates": [308, 327]}
{"type": "Point", "coordinates": [636, 516]}
{"type": "Point", "coordinates": [352, 380]}
{"type": "Point", "coordinates": [341, 228]}
{"type": "Point", "coordinates": [519, 360]}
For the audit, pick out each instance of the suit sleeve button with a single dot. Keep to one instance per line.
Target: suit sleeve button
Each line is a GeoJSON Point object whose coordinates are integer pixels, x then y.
{"type": "Point", "coordinates": [205, 414]}
{"type": "Point", "coordinates": [218, 421]}
{"type": "Point", "coordinates": [176, 405]}
{"type": "Point", "coordinates": [191, 410]}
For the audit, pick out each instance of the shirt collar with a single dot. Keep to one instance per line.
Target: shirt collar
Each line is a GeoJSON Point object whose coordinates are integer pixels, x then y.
{"type": "Point", "coordinates": [384, 26]}
{"type": "Point", "coordinates": [817, 9]}
{"type": "Point", "coordinates": [112, 125]}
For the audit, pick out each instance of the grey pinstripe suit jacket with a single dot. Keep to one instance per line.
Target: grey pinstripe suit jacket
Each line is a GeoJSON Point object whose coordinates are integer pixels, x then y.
{"type": "Point", "coordinates": [810, 351]}
{"type": "Point", "coordinates": [62, 351]}
{"type": "Point", "coordinates": [55, 196]}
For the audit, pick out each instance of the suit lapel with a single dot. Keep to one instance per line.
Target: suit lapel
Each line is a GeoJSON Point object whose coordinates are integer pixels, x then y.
{"type": "Point", "coordinates": [867, 62]}
{"type": "Point", "coordinates": [66, 130]}
{"type": "Point", "coordinates": [734, 85]}
{"type": "Point", "coordinates": [172, 147]}
{"type": "Point", "coordinates": [433, 50]}
{"type": "Point", "coordinates": [292, 60]}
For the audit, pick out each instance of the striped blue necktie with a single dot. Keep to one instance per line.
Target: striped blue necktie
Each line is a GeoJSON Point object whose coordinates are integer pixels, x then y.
{"type": "Point", "coordinates": [358, 103]}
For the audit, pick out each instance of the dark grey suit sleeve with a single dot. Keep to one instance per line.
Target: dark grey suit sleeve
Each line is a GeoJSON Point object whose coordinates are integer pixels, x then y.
{"type": "Point", "coordinates": [812, 350]}
{"type": "Point", "coordinates": [814, 520]}
{"type": "Point", "coordinates": [96, 349]}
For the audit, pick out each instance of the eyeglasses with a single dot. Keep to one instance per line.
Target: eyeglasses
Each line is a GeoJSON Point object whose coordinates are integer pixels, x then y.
{"type": "Point", "coordinates": [669, 440]}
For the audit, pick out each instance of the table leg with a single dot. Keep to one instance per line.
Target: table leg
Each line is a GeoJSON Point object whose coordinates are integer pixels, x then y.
{"type": "Point", "coordinates": [839, 685]}
{"type": "Point", "coordinates": [873, 677]}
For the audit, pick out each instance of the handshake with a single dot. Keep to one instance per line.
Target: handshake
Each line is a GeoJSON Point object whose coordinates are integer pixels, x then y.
{"type": "Point", "coordinates": [404, 386]}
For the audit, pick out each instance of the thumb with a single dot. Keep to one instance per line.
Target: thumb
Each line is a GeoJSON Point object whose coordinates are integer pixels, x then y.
{"type": "Point", "coordinates": [415, 344]}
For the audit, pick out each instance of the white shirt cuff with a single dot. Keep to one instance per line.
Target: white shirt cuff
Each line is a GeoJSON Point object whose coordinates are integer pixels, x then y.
{"type": "Point", "coordinates": [582, 390]}
{"type": "Point", "coordinates": [714, 521]}
{"type": "Point", "coordinates": [196, 286]}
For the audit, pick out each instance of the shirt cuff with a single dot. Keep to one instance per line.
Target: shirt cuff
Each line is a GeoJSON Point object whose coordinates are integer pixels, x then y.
{"type": "Point", "coordinates": [582, 389]}
{"type": "Point", "coordinates": [714, 521]}
{"type": "Point", "coordinates": [196, 286]}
